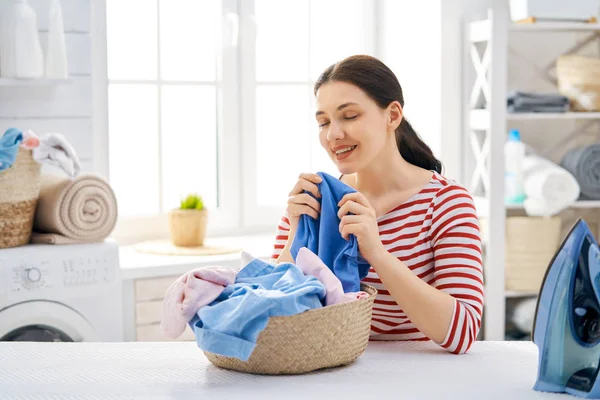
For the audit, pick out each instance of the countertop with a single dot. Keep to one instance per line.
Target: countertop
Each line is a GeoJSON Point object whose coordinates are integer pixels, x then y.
{"type": "Point", "coordinates": [179, 370]}
{"type": "Point", "coordinates": [135, 264]}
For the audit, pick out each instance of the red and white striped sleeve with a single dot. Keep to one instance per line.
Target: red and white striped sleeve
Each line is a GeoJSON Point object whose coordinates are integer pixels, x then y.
{"type": "Point", "coordinates": [281, 237]}
{"type": "Point", "coordinates": [456, 241]}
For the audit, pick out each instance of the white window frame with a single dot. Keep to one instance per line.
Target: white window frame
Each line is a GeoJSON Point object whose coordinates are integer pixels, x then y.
{"type": "Point", "coordinates": [237, 140]}
{"type": "Point", "coordinates": [253, 214]}
{"type": "Point", "coordinates": [226, 218]}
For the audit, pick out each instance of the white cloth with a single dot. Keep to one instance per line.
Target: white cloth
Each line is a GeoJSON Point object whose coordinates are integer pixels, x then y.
{"type": "Point", "coordinates": [54, 149]}
{"type": "Point", "coordinates": [549, 188]}
{"type": "Point", "coordinates": [179, 370]}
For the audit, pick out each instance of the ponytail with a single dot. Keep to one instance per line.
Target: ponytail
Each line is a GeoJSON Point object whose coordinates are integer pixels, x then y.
{"type": "Point", "coordinates": [414, 150]}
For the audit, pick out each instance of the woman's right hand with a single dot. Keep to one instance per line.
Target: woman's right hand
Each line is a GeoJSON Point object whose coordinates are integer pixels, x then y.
{"type": "Point", "coordinates": [300, 202]}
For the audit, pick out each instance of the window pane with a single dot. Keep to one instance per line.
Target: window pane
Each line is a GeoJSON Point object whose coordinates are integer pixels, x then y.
{"type": "Point", "coordinates": [282, 135]}
{"type": "Point", "coordinates": [131, 36]}
{"type": "Point", "coordinates": [133, 147]}
{"type": "Point", "coordinates": [281, 40]}
{"type": "Point", "coordinates": [337, 30]}
{"type": "Point", "coordinates": [189, 144]}
{"type": "Point", "coordinates": [190, 39]}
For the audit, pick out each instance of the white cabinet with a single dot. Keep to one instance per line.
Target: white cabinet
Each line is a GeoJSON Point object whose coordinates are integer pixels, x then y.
{"type": "Point", "coordinates": [143, 309]}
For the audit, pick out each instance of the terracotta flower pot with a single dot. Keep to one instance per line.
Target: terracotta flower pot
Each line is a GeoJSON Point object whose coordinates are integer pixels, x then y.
{"type": "Point", "coordinates": [188, 227]}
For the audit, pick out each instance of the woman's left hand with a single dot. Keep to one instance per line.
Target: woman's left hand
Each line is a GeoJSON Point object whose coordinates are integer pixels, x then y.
{"type": "Point", "coordinates": [363, 224]}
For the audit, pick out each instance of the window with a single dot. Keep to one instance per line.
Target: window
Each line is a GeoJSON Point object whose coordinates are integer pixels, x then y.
{"type": "Point", "coordinates": [215, 97]}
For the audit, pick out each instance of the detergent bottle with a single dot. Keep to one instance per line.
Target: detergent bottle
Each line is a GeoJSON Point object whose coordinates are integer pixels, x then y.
{"type": "Point", "coordinates": [514, 155]}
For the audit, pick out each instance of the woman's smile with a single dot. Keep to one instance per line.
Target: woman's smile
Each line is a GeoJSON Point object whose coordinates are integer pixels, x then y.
{"type": "Point", "coordinates": [343, 152]}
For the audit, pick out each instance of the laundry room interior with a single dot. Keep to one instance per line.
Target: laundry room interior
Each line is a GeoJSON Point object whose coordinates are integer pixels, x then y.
{"type": "Point", "coordinates": [229, 115]}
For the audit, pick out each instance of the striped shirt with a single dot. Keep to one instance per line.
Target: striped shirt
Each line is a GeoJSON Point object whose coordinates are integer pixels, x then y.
{"type": "Point", "coordinates": [436, 234]}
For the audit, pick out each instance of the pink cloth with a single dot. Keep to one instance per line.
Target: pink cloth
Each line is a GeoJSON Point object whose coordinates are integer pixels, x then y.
{"type": "Point", "coordinates": [311, 264]}
{"type": "Point", "coordinates": [190, 292]}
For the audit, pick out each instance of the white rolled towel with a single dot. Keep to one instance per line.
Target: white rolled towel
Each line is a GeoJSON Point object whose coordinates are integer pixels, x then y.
{"type": "Point", "coordinates": [549, 188]}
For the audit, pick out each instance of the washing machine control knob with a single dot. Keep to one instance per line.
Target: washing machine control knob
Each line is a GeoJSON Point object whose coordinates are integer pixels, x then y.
{"type": "Point", "coordinates": [33, 274]}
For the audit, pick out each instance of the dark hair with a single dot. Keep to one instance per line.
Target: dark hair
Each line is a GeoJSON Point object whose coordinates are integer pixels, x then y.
{"type": "Point", "coordinates": [381, 85]}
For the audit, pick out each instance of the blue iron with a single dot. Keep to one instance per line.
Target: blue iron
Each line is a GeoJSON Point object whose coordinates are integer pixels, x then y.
{"type": "Point", "coordinates": [566, 329]}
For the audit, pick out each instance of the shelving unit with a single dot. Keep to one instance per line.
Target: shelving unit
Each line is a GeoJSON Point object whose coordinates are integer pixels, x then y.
{"type": "Point", "coordinates": [486, 116]}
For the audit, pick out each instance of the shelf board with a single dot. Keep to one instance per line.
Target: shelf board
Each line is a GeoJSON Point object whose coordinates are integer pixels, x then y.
{"type": "Point", "coordinates": [480, 204]}
{"type": "Point", "coordinates": [577, 204]}
{"type": "Point", "coordinates": [555, 26]}
{"type": "Point", "coordinates": [553, 116]}
{"type": "Point", "coordinates": [514, 294]}
{"type": "Point", "coordinates": [15, 82]}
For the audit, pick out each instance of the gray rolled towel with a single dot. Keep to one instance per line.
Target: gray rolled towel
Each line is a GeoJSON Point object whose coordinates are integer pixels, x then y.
{"type": "Point", "coordinates": [584, 164]}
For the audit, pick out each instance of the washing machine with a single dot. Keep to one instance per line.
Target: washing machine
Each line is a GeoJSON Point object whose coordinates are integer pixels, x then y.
{"type": "Point", "coordinates": [61, 293]}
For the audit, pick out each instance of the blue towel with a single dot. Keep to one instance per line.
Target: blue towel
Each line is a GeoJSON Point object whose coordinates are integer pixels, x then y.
{"type": "Point", "coordinates": [9, 147]}
{"type": "Point", "coordinates": [323, 237]}
{"type": "Point", "coordinates": [230, 325]}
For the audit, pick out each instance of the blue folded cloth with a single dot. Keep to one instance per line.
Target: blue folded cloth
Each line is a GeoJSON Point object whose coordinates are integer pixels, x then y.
{"type": "Point", "coordinates": [323, 237]}
{"type": "Point", "coordinates": [231, 324]}
{"type": "Point", "coordinates": [9, 147]}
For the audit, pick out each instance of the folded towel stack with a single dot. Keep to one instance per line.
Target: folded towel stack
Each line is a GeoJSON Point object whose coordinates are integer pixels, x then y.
{"type": "Point", "coordinates": [525, 102]}
{"type": "Point", "coordinates": [77, 210]}
{"type": "Point", "coordinates": [584, 164]}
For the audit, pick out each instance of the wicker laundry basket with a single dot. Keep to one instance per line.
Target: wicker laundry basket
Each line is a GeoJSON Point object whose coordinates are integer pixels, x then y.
{"type": "Point", "coordinates": [579, 80]}
{"type": "Point", "coordinates": [327, 337]}
{"type": "Point", "coordinates": [19, 192]}
{"type": "Point", "coordinates": [531, 242]}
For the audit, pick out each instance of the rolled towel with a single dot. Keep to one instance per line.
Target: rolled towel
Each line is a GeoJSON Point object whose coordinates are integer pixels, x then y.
{"type": "Point", "coordinates": [584, 164]}
{"type": "Point", "coordinates": [549, 188]}
{"type": "Point", "coordinates": [77, 210]}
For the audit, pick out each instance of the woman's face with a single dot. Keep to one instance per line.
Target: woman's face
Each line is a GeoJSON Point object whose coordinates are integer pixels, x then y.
{"type": "Point", "coordinates": [352, 127]}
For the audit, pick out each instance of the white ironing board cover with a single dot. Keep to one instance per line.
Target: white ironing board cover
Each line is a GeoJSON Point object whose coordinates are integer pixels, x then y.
{"type": "Point", "coordinates": [179, 370]}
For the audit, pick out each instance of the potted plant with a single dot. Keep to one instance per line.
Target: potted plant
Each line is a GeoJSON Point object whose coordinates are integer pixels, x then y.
{"type": "Point", "coordinates": [187, 224]}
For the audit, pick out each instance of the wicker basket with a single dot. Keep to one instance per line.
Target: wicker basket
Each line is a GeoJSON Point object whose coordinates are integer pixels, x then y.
{"type": "Point", "coordinates": [530, 245]}
{"type": "Point", "coordinates": [530, 242]}
{"type": "Point", "coordinates": [579, 80]}
{"type": "Point", "coordinates": [327, 337]}
{"type": "Point", "coordinates": [19, 192]}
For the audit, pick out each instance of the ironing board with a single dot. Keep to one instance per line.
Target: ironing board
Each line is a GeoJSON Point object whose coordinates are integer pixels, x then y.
{"type": "Point", "coordinates": [179, 370]}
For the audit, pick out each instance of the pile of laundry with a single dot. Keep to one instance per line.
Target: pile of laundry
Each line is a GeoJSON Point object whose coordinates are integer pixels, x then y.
{"type": "Point", "coordinates": [227, 309]}
{"type": "Point", "coordinates": [530, 102]}
{"type": "Point", "coordinates": [49, 148]}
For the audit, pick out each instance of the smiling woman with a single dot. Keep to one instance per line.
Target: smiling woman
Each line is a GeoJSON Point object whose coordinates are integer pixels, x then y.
{"type": "Point", "coordinates": [417, 229]}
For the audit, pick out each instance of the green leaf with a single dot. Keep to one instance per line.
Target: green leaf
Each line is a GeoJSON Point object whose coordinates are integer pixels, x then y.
{"type": "Point", "coordinates": [192, 202]}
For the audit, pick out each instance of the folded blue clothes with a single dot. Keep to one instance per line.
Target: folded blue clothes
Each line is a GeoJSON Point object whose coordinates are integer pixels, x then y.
{"type": "Point", "coordinates": [231, 324]}
{"type": "Point", "coordinates": [322, 236]}
{"type": "Point", "coordinates": [9, 147]}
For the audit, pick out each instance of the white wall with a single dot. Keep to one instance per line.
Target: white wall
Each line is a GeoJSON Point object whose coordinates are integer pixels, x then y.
{"type": "Point", "coordinates": [64, 108]}
{"type": "Point", "coordinates": [411, 46]}
{"type": "Point", "coordinates": [422, 43]}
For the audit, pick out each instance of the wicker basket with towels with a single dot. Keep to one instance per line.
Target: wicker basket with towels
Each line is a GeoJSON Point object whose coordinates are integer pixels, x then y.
{"type": "Point", "coordinates": [326, 337]}
{"type": "Point", "coordinates": [19, 192]}
{"type": "Point", "coordinates": [579, 80]}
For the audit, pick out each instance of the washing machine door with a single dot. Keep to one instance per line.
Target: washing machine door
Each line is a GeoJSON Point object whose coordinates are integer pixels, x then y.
{"type": "Point", "coordinates": [44, 321]}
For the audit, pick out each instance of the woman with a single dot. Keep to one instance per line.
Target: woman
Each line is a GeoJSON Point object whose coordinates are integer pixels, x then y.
{"type": "Point", "coordinates": [417, 229]}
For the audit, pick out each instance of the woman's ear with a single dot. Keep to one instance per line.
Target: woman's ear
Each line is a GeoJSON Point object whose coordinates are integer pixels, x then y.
{"type": "Point", "coordinates": [394, 115]}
